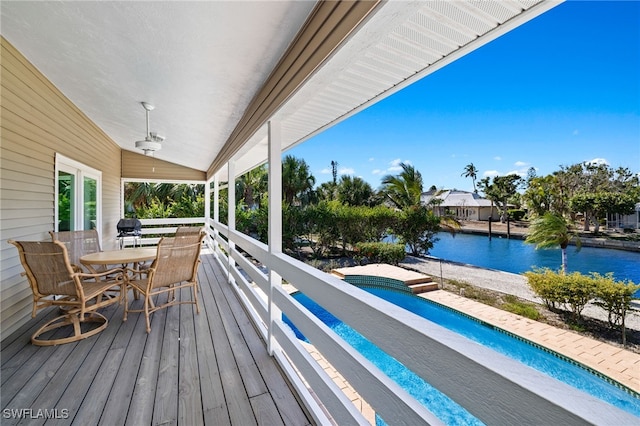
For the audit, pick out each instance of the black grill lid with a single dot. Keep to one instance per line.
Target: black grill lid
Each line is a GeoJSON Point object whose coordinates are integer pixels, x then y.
{"type": "Point", "coordinates": [129, 227]}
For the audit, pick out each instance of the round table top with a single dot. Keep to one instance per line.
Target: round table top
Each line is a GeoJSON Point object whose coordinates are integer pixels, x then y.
{"type": "Point", "coordinates": [113, 257]}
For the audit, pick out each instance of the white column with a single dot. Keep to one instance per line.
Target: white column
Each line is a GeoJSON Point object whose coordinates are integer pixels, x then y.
{"type": "Point", "coordinates": [207, 211]}
{"type": "Point", "coordinates": [216, 198]}
{"type": "Point", "coordinates": [231, 218]}
{"type": "Point", "coordinates": [275, 222]}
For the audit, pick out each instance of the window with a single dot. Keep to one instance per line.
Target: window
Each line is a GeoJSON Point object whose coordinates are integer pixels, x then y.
{"type": "Point", "coordinates": [78, 196]}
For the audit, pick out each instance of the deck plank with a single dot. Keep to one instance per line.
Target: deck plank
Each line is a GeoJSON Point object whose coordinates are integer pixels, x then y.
{"type": "Point", "coordinates": [214, 405]}
{"type": "Point", "coordinates": [189, 397]}
{"type": "Point", "coordinates": [237, 400]}
{"type": "Point", "coordinates": [210, 368]}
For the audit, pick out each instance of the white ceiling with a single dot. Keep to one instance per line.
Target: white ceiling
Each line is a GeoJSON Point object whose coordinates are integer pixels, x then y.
{"type": "Point", "coordinates": [201, 63]}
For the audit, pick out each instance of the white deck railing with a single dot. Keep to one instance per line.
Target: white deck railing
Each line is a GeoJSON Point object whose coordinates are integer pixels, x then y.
{"type": "Point", "coordinates": [492, 387]}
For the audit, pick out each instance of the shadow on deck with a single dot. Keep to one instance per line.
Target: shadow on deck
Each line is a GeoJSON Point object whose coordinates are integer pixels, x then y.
{"type": "Point", "coordinates": [212, 368]}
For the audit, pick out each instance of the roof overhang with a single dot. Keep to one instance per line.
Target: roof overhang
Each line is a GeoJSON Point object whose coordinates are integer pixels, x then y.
{"type": "Point", "coordinates": [217, 72]}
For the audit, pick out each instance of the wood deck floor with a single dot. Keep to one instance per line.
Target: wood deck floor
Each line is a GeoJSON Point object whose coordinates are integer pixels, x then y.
{"type": "Point", "coordinates": [206, 369]}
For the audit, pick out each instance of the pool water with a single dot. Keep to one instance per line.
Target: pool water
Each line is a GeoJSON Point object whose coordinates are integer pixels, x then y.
{"type": "Point", "coordinates": [439, 404]}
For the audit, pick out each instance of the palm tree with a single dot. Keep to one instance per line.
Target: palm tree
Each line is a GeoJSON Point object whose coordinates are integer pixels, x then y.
{"type": "Point", "coordinates": [354, 191]}
{"type": "Point", "coordinates": [550, 231]}
{"type": "Point", "coordinates": [252, 185]}
{"type": "Point", "coordinates": [403, 190]}
{"type": "Point", "coordinates": [471, 171]}
{"type": "Point", "coordinates": [297, 180]}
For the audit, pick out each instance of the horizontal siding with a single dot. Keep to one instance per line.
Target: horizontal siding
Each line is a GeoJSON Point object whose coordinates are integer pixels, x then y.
{"type": "Point", "coordinates": [38, 121]}
{"type": "Point", "coordinates": [139, 166]}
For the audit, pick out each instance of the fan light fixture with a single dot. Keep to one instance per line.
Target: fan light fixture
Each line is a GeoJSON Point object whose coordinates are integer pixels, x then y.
{"type": "Point", "coordinates": [151, 142]}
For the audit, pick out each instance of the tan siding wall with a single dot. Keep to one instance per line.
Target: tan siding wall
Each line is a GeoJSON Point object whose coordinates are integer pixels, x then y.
{"type": "Point", "coordinates": [37, 121]}
{"type": "Point", "coordinates": [139, 166]}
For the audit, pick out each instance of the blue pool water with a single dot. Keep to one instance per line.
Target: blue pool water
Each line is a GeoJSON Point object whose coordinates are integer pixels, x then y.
{"type": "Point", "coordinates": [513, 255]}
{"type": "Point", "coordinates": [439, 404]}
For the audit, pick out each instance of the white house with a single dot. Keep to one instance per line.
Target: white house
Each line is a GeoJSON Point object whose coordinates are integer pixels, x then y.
{"type": "Point", "coordinates": [463, 205]}
{"type": "Point", "coordinates": [628, 221]}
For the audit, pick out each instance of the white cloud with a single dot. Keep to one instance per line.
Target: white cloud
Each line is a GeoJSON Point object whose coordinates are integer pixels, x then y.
{"type": "Point", "coordinates": [376, 172]}
{"type": "Point", "coordinates": [520, 164]}
{"type": "Point", "coordinates": [325, 171]}
{"type": "Point", "coordinates": [598, 161]}
{"type": "Point", "coordinates": [371, 158]}
{"type": "Point", "coordinates": [497, 158]}
{"type": "Point", "coordinates": [521, 173]}
{"type": "Point", "coordinates": [395, 165]}
{"type": "Point", "coordinates": [346, 171]}
{"type": "Point", "coordinates": [491, 173]}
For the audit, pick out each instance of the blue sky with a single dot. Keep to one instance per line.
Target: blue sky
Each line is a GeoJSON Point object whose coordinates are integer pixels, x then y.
{"type": "Point", "coordinates": [561, 89]}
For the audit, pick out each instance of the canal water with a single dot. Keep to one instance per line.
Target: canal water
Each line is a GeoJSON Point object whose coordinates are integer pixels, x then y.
{"type": "Point", "coordinates": [513, 255]}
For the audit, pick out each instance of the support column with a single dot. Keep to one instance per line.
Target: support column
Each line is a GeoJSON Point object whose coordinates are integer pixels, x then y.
{"type": "Point", "coordinates": [216, 212]}
{"type": "Point", "coordinates": [275, 223]}
{"type": "Point", "coordinates": [231, 218]}
{"type": "Point", "coordinates": [207, 211]}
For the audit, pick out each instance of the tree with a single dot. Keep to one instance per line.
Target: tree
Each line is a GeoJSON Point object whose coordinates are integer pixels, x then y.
{"type": "Point", "coordinates": [550, 231]}
{"type": "Point", "coordinates": [403, 190]}
{"type": "Point", "coordinates": [297, 180]}
{"type": "Point", "coordinates": [596, 206]}
{"type": "Point", "coordinates": [354, 191]}
{"type": "Point", "coordinates": [543, 196]}
{"type": "Point", "coordinates": [417, 226]}
{"type": "Point", "coordinates": [252, 186]}
{"type": "Point", "coordinates": [501, 190]}
{"type": "Point", "coordinates": [470, 171]}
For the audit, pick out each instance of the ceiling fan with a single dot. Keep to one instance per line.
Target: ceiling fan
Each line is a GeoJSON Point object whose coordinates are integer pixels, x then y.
{"type": "Point", "coordinates": [152, 140]}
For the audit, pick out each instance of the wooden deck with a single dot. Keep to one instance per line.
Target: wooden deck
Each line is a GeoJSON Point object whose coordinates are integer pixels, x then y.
{"type": "Point", "coordinates": [206, 369]}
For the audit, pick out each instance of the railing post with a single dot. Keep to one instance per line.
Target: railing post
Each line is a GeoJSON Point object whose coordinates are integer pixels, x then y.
{"type": "Point", "coordinates": [231, 217]}
{"type": "Point", "coordinates": [275, 223]}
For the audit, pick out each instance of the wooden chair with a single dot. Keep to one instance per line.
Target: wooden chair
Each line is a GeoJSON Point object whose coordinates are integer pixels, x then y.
{"type": "Point", "coordinates": [175, 267]}
{"type": "Point", "coordinates": [55, 282]}
{"type": "Point", "coordinates": [79, 243]}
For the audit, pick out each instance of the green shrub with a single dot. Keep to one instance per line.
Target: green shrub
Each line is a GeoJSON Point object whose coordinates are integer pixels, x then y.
{"type": "Point", "coordinates": [615, 297]}
{"type": "Point", "coordinates": [381, 252]}
{"type": "Point", "coordinates": [544, 283]}
{"type": "Point", "coordinates": [527, 310]}
{"type": "Point", "coordinates": [515, 214]}
{"type": "Point", "coordinates": [569, 291]}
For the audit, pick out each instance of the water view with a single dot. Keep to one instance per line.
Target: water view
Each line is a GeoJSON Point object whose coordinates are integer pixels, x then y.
{"type": "Point", "coordinates": [513, 255]}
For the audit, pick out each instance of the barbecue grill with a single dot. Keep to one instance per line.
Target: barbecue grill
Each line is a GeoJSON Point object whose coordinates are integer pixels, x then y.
{"type": "Point", "coordinates": [129, 228]}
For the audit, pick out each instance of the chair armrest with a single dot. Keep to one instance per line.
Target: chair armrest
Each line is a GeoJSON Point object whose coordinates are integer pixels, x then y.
{"type": "Point", "coordinates": [83, 275]}
{"type": "Point", "coordinates": [138, 272]}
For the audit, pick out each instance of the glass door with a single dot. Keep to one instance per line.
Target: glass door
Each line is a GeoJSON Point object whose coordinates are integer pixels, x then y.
{"type": "Point", "coordinates": [78, 196]}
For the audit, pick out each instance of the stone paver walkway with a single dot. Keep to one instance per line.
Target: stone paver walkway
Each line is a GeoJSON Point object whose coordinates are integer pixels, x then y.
{"type": "Point", "coordinates": [619, 364]}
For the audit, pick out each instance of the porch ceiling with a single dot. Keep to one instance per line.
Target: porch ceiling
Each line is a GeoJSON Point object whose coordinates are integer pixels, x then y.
{"type": "Point", "coordinates": [202, 63]}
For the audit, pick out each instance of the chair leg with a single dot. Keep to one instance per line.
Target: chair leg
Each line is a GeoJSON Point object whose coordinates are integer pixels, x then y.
{"type": "Point", "coordinates": [146, 313]}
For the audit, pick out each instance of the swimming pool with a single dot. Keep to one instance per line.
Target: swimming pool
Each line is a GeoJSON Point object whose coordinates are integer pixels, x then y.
{"type": "Point", "coordinates": [439, 404]}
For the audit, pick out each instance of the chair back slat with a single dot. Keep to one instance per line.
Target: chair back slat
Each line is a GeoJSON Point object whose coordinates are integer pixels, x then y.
{"type": "Point", "coordinates": [176, 261]}
{"type": "Point", "coordinates": [188, 234]}
{"type": "Point", "coordinates": [78, 243]}
{"type": "Point", "coordinates": [47, 267]}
